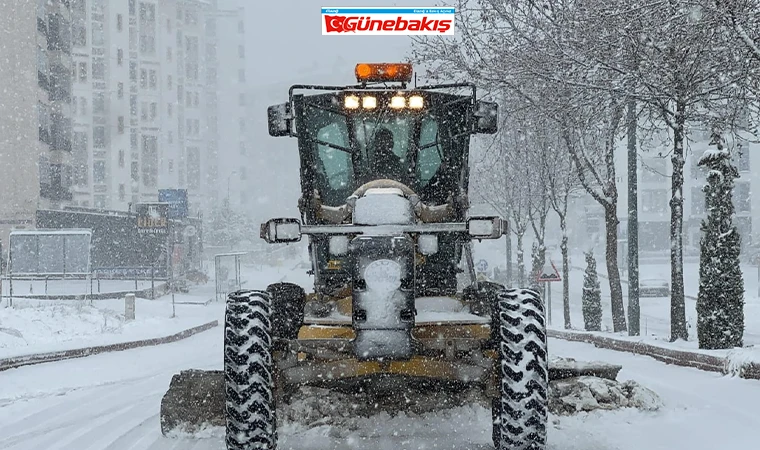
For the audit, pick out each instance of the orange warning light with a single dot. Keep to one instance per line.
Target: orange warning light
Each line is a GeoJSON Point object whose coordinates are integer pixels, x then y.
{"type": "Point", "coordinates": [379, 72]}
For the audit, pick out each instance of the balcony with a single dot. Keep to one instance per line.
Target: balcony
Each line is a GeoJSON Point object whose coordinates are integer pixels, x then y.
{"type": "Point", "coordinates": [60, 134]}
{"type": "Point", "coordinates": [59, 33]}
{"type": "Point", "coordinates": [57, 186]}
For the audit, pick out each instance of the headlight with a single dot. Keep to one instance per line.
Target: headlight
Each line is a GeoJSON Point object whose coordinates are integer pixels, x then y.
{"type": "Point", "coordinates": [428, 244]}
{"type": "Point", "coordinates": [398, 102]}
{"type": "Point", "coordinates": [369, 103]}
{"type": "Point", "coordinates": [383, 275]}
{"type": "Point", "coordinates": [352, 102]}
{"type": "Point", "coordinates": [338, 245]}
{"type": "Point", "coordinates": [415, 102]}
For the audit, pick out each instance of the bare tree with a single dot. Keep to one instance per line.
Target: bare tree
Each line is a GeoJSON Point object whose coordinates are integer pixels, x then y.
{"type": "Point", "coordinates": [562, 182]}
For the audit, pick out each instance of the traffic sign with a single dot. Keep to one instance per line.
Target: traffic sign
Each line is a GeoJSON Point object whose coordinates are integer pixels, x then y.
{"type": "Point", "coordinates": [482, 266]}
{"type": "Point", "coordinates": [549, 273]}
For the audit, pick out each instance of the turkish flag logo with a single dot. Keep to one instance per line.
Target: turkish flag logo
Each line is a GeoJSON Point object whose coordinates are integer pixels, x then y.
{"type": "Point", "coordinates": [334, 24]}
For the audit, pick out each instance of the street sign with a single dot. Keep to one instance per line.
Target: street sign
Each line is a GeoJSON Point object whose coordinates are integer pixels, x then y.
{"type": "Point", "coordinates": [177, 200]}
{"type": "Point", "coordinates": [549, 273]}
{"type": "Point", "coordinates": [482, 266]}
{"type": "Point", "coordinates": [152, 218]}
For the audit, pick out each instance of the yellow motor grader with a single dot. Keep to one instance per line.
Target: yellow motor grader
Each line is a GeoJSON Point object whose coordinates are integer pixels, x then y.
{"type": "Point", "coordinates": [384, 170]}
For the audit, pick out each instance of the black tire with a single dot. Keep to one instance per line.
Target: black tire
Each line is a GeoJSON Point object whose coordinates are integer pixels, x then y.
{"type": "Point", "coordinates": [288, 302]}
{"type": "Point", "coordinates": [520, 413]}
{"type": "Point", "coordinates": [248, 372]}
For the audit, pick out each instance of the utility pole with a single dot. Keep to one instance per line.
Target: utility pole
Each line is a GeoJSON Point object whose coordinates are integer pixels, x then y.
{"type": "Point", "coordinates": [634, 317]}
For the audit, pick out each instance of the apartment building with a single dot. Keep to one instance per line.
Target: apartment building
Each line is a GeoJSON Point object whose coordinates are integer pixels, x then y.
{"type": "Point", "coordinates": [230, 144]}
{"type": "Point", "coordinates": [35, 111]}
{"type": "Point", "coordinates": [654, 194]}
{"type": "Point", "coordinates": [147, 116]}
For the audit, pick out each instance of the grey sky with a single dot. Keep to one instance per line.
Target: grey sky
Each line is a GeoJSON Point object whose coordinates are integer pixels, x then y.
{"type": "Point", "coordinates": [285, 47]}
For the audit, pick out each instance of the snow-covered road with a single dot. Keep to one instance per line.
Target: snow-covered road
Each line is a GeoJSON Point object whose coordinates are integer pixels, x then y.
{"type": "Point", "coordinates": [111, 402]}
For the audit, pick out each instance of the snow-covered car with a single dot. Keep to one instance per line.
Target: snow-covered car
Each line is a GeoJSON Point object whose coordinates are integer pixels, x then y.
{"type": "Point", "coordinates": [654, 287]}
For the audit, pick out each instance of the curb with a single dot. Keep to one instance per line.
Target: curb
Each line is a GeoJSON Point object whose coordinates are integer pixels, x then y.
{"type": "Point", "coordinates": [41, 358]}
{"type": "Point", "coordinates": [681, 358]}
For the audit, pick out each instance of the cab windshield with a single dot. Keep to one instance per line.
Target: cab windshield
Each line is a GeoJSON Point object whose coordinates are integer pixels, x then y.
{"type": "Point", "coordinates": [423, 151]}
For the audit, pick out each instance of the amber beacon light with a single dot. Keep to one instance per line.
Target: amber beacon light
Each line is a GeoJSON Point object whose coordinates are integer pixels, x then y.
{"type": "Point", "coordinates": [373, 73]}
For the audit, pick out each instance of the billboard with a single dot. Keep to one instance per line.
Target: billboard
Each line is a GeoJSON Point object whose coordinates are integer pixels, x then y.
{"type": "Point", "coordinates": [152, 218]}
{"type": "Point", "coordinates": [177, 201]}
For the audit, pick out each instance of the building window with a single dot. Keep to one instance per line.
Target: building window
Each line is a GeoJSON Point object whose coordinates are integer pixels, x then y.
{"type": "Point", "coordinates": [193, 168]}
{"type": "Point", "coordinates": [654, 170]}
{"type": "Point", "coordinates": [241, 99]}
{"type": "Point", "coordinates": [189, 126]}
{"type": "Point", "coordinates": [132, 9]}
{"type": "Point", "coordinates": [79, 144]}
{"type": "Point", "coordinates": [119, 22]}
{"type": "Point", "coordinates": [133, 71]}
{"type": "Point", "coordinates": [133, 139]}
{"type": "Point", "coordinates": [147, 28]}
{"type": "Point", "coordinates": [150, 161]}
{"type": "Point", "coordinates": [98, 68]}
{"type": "Point", "coordinates": [99, 172]}
{"type": "Point", "coordinates": [120, 125]}
{"type": "Point", "coordinates": [189, 99]}
{"type": "Point", "coordinates": [153, 80]}
{"type": "Point", "coordinates": [241, 75]}
{"type": "Point", "coordinates": [169, 82]}
{"type": "Point", "coordinates": [121, 159]}
{"type": "Point", "coordinates": [82, 72]}
{"type": "Point", "coordinates": [98, 103]}
{"type": "Point", "coordinates": [143, 79]}
{"type": "Point", "coordinates": [741, 159]}
{"type": "Point", "coordinates": [74, 102]}
{"type": "Point", "coordinates": [120, 57]}
{"type": "Point", "coordinates": [242, 125]}
{"type": "Point", "coordinates": [243, 173]}
{"type": "Point", "coordinates": [169, 53]}
{"type": "Point", "coordinates": [153, 111]}
{"type": "Point", "coordinates": [135, 172]}
{"type": "Point", "coordinates": [170, 166]}
{"type": "Point", "coordinates": [196, 100]}
{"type": "Point", "coordinates": [133, 105]}
{"type": "Point", "coordinates": [654, 200]}
{"type": "Point", "coordinates": [242, 148]}
{"type": "Point", "coordinates": [169, 109]}
{"type": "Point", "coordinates": [742, 197]}
{"type": "Point", "coordinates": [241, 51]}
{"type": "Point", "coordinates": [120, 90]}
{"type": "Point", "coordinates": [144, 112]}
{"type": "Point", "coordinates": [241, 27]}
{"type": "Point", "coordinates": [99, 136]}
{"type": "Point", "coordinates": [697, 201]}
{"type": "Point", "coordinates": [122, 192]}
{"type": "Point", "coordinates": [98, 34]}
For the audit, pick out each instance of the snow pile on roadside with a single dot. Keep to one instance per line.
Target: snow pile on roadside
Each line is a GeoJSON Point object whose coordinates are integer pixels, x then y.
{"type": "Point", "coordinates": [740, 360]}
{"type": "Point", "coordinates": [27, 325]}
{"type": "Point", "coordinates": [583, 394]}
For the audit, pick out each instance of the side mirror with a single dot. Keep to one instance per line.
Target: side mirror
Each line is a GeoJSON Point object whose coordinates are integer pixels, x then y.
{"type": "Point", "coordinates": [279, 120]}
{"type": "Point", "coordinates": [487, 117]}
{"type": "Point", "coordinates": [486, 227]}
{"type": "Point", "coordinates": [280, 231]}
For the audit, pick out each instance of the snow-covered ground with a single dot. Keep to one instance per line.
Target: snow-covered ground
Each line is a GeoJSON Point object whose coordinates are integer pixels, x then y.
{"type": "Point", "coordinates": [36, 326]}
{"type": "Point", "coordinates": [111, 402]}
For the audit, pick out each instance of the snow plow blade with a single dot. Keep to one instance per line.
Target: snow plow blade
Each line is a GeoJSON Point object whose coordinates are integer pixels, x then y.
{"type": "Point", "coordinates": [194, 401]}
